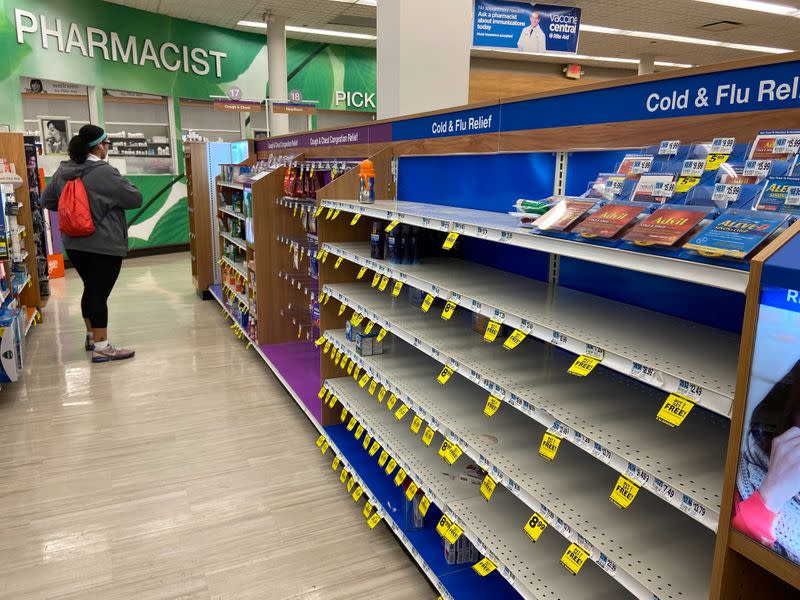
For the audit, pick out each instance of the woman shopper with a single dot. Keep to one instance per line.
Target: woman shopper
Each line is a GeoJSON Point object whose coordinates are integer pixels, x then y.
{"type": "Point", "coordinates": [97, 257]}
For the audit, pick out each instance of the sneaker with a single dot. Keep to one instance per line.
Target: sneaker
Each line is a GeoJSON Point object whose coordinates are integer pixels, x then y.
{"type": "Point", "coordinates": [110, 353]}
{"type": "Point", "coordinates": [89, 343]}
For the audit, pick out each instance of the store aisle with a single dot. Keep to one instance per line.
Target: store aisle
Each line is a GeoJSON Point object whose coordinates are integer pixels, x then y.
{"type": "Point", "coordinates": [187, 472]}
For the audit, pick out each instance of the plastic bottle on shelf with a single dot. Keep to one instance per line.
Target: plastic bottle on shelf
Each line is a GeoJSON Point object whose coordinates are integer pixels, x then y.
{"type": "Point", "coordinates": [376, 245]}
{"type": "Point", "coordinates": [366, 194]}
{"type": "Point", "coordinates": [394, 252]}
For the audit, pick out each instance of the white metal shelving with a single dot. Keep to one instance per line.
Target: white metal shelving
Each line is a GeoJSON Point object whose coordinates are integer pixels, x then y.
{"type": "Point", "coordinates": [497, 530]}
{"type": "Point", "coordinates": [232, 213]}
{"type": "Point", "coordinates": [502, 227]}
{"type": "Point", "coordinates": [606, 414]}
{"type": "Point", "coordinates": [572, 491]}
{"type": "Point", "coordinates": [693, 360]}
{"type": "Point", "coordinates": [234, 240]}
{"type": "Point", "coordinates": [240, 297]}
{"type": "Point", "coordinates": [238, 267]}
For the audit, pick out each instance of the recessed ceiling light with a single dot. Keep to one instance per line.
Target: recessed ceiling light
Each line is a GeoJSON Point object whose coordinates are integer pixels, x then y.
{"type": "Point", "coordinates": [766, 7]}
{"type": "Point", "coordinates": [681, 39]}
{"type": "Point", "coordinates": [313, 31]}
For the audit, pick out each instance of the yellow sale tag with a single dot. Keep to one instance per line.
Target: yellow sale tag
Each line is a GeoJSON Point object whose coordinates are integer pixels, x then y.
{"type": "Point", "coordinates": [450, 240]}
{"type": "Point", "coordinates": [487, 487]}
{"type": "Point", "coordinates": [350, 367]}
{"type": "Point", "coordinates": [335, 214]}
{"type": "Point", "coordinates": [375, 279]}
{"type": "Point", "coordinates": [332, 403]}
{"type": "Point", "coordinates": [392, 225]}
{"type": "Point", "coordinates": [338, 263]}
{"type": "Point", "coordinates": [342, 309]}
{"type": "Point", "coordinates": [327, 297]}
{"type": "Point", "coordinates": [401, 412]}
{"type": "Point", "coordinates": [448, 310]}
{"type": "Point", "coordinates": [350, 483]}
{"type": "Point", "coordinates": [319, 253]}
{"type": "Point", "coordinates": [357, 494]}
{"type": "Point", "coordinates": [294, 211]}
{"type": "Point", "coordinates": [444, 375]}
{"type": "Point", "coordinates": [338, 357]}
{"type": "Point", "coordinates": [449, 451]}
{"type": "Point", "coordinates": [361, 272]}
{"type": "Point", "coordinates": [328, 214]}
{"type": "Point", "coordinates": [484, 567]}
{"type": "Point", "coordinates": [320, 440]}
{"type": "Point", "coordinates": [319, 342]}
{"type": "Point", "coordinates": [535, 526]}
{"type": "Point", "coordinates": [391, 402]}
{"type": "Point", "coordinates": [374, 520]}
{"type": "Point", "coordinates": [416, 423]}
{"type": "Point", "coordinates": [372, 387]}
{"type": "Point", "coordinates": [344, 415]}
{"type": "Point", "coordinates": [426, 303]}
{"type": "Point", "coordinates": [352, 424]}
{"type": "Point", "coordinates": [369, 327]}
{"type": "Point", "coordinates": [384, 283]}
{"type": "Point", "coordinates": [367, 441]}
{"type": "Point", "coordinates": [381, 394]}
{"type": "Point", "coordinates": [367, 509]}
{"type": "Point", "coordinates": [398, 285]}
{"type": "Point", "coordinates": [684, 184]}
{"type": "Point", "coordinates": [390, 467]}
{"type": "Point", "coordinates": [374, 448]}
{"type": "Point", "coordinates": [424, 505]}
{"type": "Point", "coordinates": [400, 477]}
{"type": "Point", "coordinates": [343, 361]}
{"type": "Point", "coordinates": [443, 525]}
{"type": "Point", "coordinates": [383, 458]}
{"type": "Point", "coordinates": [325, 256]}
{"type": "Point", "coordinates": [427, 436]}
{"type": "Point", "coordinates": [492, 405]}
{"type": "Point", "coordinates": [356, 318]}
{"type": "Point", "coordinates": [355, 219]}
{"type": "Point", "coordinates": [356, 374]}
{"type": "Point", "coordinates": [583, 365]}
{"type": "Point", "coordinates": [549, 445]}
{"type": "Point", "coordinates": [675, 409]}
{"type": "Point", "coordinates": [359, 432]}
{"type": "Point", "coordinates": [411, 491]}
{"type": "Point", "coordinates": [453, 533]}
{"type": "Point", "coordinates": [324, 447]}
{"type": "Point", "coordinates": [322, 390]}
{"type": "Point", "coordinates": [335, 464]}
{"type": "Point", "coordinates": [715, 161]}
{"type": "Point", "coordinates": [382, 334]}
{"type": "Point", "coordinates": [514, 339]}
{"type": "Point", "coordinates": [363, 381]}
{"type": "Point", "coordinates": [624, 492]}
{"type": "Point", "coordinates": [574, 558]}
{"type": "Point", "coordinates": [492, 329]}
{"type": "Point", "coordinates": [343, 476]}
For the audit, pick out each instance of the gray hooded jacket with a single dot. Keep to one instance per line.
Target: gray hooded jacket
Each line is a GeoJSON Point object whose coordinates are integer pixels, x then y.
{"type": "Point", "coordinates": [110, 194]}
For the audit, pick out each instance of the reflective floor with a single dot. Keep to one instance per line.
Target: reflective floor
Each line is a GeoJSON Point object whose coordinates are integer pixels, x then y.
{"type": "Point", "coordinates": [187, 472]}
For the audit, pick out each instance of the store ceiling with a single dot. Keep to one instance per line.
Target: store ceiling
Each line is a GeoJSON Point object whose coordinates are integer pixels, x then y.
{"type": "Point", "coordinates": [677, 17]}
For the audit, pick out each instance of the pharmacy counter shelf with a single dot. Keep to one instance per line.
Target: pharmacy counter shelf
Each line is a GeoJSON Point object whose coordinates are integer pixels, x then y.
{"type": "Point", "coordinates": [533, 569]}
{"type": "Point", "coordinates": [684, 466]}
{"type": "Point", "coordinates": [501, 227]}
{"type": "Point", "coordinates": [678, 356]}
{"type": "Point", "coordinates": [236, 266]}
{"type": "Point", "coordinates": [572, 490]}
{"type": "Point", "coordinates": [234, 240]}
{"type": "Point", "coordinates": [232, 213]}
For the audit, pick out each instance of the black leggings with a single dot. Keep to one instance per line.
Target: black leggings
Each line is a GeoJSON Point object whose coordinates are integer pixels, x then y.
{"type": "Point", "coordinates": [99, 273]}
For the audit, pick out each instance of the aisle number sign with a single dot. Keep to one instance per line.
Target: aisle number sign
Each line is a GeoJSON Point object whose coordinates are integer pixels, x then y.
{"type": "Point", "coordinates": [675, 409]}
{"type": "Point", "coordinates": [535, 526]}
{"type": "Point", "coordinates": [492, 405]}
{"type": "Point", "coordinates": [574, 558]}
{"type": "Point", "coordinates": [484, 567]}
{"type": "Point", "coordinates": [549, 446]}
{"type": "Point", "coordinates": [583, 365]}
{"type": "Point", "coordinates": [487, 487]}
{"type": "Point", "coordinates": [624, 492]}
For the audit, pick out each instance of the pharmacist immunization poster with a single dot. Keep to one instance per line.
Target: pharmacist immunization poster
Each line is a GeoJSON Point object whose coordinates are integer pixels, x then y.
{"type": "Point", "coordinates": [526, 27]}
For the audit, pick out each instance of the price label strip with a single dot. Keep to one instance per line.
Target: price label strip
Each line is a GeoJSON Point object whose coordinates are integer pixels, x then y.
{"type": "Point", "coordinates": [675, 409]}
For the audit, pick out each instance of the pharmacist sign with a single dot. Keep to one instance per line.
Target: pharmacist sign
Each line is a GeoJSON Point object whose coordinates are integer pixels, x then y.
{"type": "Point", "coordinates": [526, 26]}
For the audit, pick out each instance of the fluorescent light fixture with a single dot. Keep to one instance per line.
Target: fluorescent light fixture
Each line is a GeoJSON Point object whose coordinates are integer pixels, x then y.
{"type": "Point", "coordinates": [765, 7]}
{"type": "Point", "coordinates": [313, 31]}
{"type": "Point", "coordinates": [681, 39]}
{"type": "Point", "coordinates": [571, 57]}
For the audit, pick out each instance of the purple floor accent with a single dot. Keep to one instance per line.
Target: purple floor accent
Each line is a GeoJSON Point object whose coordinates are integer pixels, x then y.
{"type": "Point", "coordinates": [298, 364]}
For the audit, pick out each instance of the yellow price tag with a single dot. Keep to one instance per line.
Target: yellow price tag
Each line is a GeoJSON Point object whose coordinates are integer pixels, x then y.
{"type": "Point", "coordinates": [350, 367]}
{"type": "Point", "coordinates": [338, 357]}
{"type": "Point", "coordinates": [338, 263]}
{"type": "Point", "coordinates": [444, 375]}
{"type": "Point", "coordinates": [374, 448]}
{"type": "Point", "coordinates": [363, 381]}
{"type": "Point", "coordinates": [443, 525]}
{"type": "Point", "coordinates": [450, 240]}
{"type": "Point", "coordinates": [359, 432]}
{"type": "Point", "coordinates": [356, 318]}
{"type": "Point", "coordinates": [624, 492]}
{"type": "Point", "coordinates": [369, 327]}
{"type": "Point", "coordinates": [449, 451]}
{"type": "Point", "coordinates": [356, 373]}
{"type": "Point", "coordinates": [324, 448]}
{"type": "Point", "coordinates": [492, 405]}
{"type": "Point", "coordinates": [416, 423]}
{"type": "Point", "coordinates": [319, 342]}
{"type": "Point", "coordinates": [675, 409]}
{"type": "Point", "coordinates": [715, 161]}
{"type": "Point", "coordinates": [375, 279]}
{"type": "Point", "coordinates": [453, 533]}
{"type": "Point", "coordinates": [357, 494]}
{"type": "Point", "coordinates": [343, 475]}
{"type": "Point", "coordinates": [352, 424]}
{"type": "Point", "coordinates": [382, 334]}
{"type": "Point", "coordinates": [384, 283]}
{"type": "Point", "coordinates": [424, 505]}
{"type": "Point", "coordinates": [484, 567]}
{"type": "Point", "coordinates": [535, 526]}
{"type": "Point", "coordinates": [374, 520]}
{"type": "Point", "coordinates": [398, 285]}
{"type": "Point", "coordinates": [325, 256]}
{"type": "Point", "coordinates": [401, 412]}
{"type": "Point", "coordinates": [342, 308]}
{"type": "Point", "coordinates": [328, 214]}
{"type": "Point", "coordinates": [574, 558]}
{"type": "Point", "coordinates": [319, 253]}
{"type": "Point", "coordinates": [343, 361]}
{"type": "Point", "coordinates": [327, 297]}
{"type": "Point", "coordinates": [583, 365]}
{"type": "Point", "coordinates": [344, 415]}
{"type": "Point", "coordinates": [383, 458]}
{"type": "Point", "coordinates": [391, 402]}
{"type": "Point", "coordinates": [372, 386]}
{"type": "Point", "coordinates": [390, 467]}
{"type": "Point", "coordinates": [335, 214]}
{"type": "Point", "coordinates": [427, 436]}
{"type": "Point", "coordinates": [320, 440]}
{"type": "Point", "coordinates": [684, 184]}
{"type": "Point", "coordinates": [350, 483]}
{"type": "Point", "coordinates": [448, 310]}
{"type": "Point", "coordinates": [487, 487]}
{"type": "Point", "coordinates": [361, 272]}
{"type": "Point", "coordinates": [335, 464]}
{"type": "Point", "coordinates": [367, 509]}
{"type": "Point", "coordinates": [381, 394]}
{"type": "Point", "coordinates": [322, 390]}
{"type": "Point", "coordinates": [492, 329]}
{"type": "Point", "coordinates": [411, 491]}
{"type": "Point", "coordinates": [332, 403]}
{"type": "Point", "coordinates": [367, 440]}
{"type": "Point", "coordinates": [400, 477]}
{"type": "Point", "coordinates": [549, 445]}
{"type": "Point", "coordinates": [355, 219]}
{"type": "Point", "coordinates": [426, 303]}
{"type": "Point", "coordinates": [514, 339]}
{"type": "Point", "coordinates": [294, 211]}
{"type": "Point", "coordinates": [392, 225]}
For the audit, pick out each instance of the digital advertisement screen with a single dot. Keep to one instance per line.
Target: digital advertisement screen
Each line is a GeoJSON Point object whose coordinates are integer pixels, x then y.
{"type": "Point", "coordinates": [767, 500]}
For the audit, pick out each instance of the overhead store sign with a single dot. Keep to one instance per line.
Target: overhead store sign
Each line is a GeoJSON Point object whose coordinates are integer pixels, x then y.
{"type": "Point", "coordinates": [238, 106]}
{"type": "Point", "coordinates": [526, 27]}
{"type": "Point", "coordinates": [291, 108]}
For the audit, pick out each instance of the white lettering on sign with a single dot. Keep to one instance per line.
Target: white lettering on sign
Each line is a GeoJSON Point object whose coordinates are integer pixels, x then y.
{"type": "Point", "coordinates": [354, 99]}
{"type": "Point", "coordinates": [462, 126]}
{"type": "Point", "coordinates": [725, 94]}
{"type": "Point", "coordinates": [91, 42]}
{"type": "Point", "coordinates": [793, 296]}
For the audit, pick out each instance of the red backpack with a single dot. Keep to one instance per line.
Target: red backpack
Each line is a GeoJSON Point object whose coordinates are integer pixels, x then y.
{"type": "Point", "coordinates": [74, 215]}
